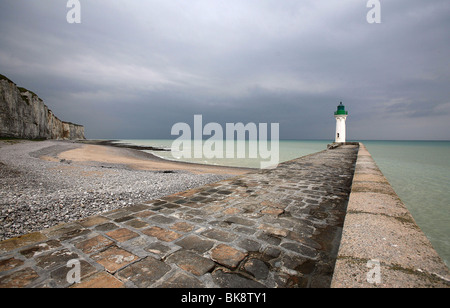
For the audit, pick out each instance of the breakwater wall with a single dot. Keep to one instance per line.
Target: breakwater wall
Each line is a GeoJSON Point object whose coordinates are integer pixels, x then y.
{"type": "Point", "coordinates": [381, 244]}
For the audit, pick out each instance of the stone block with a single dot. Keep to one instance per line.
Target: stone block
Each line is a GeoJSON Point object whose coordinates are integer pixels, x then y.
{"type": "Point", "coordinates": [195, 243]}
{"type": "Point", "coordinates": [232, 210]}
{"type": "Point", "coordinates": [124, 218]}
{"type": "Point", "coordinates": [63, 231]}
{"type": "Point", "coordinates": [137, 224]}
{"type": "Point", "coordinates": [181, 280]}
{"type": "Point", "coordinates": [160, 219]}
{"type": "Point", "coordinates": [240, 221]}
{"type": "Point", "coordinates": [270, 239]}
{"type": "Point", "coordinates": [138, 208]}
{"type": "Point", "coordinates": [145, 272]}
{"type": "Point", "coordinates": [55, 259]}
{"type": "Point", "coordinates": [114, 258]}
{"type": "Point", "coordinates": [122, 235]}
{"type": "Point", "coordinates": [274, 231]}
{"type": "Point", "coordinates": [21, 241]}
{"type": "Point", "coordinates": [144, 214]}
{"type": "Point", "coordinates": [59, 275]}
{"type": "Point", "coordinates": [301, 249]}
{"type": "Point", "coordinates": [162, 234]}
{"type": "Point", "coordinates": [249, 245]}
{"type": "Point", "coordinates": [219, 235]}
{"type": "Point", "coordinates": [40, 248]}
{"type": "Point", "coordinates": [9, 264]}
{"type": "Point", "coordinates": [106, 227]}
{"type": "Point", "coordinates": [94, 244]}
{"type": "Point", "coordinates": [257, 268]}
{"type": "Point", "coordinates": [234, 280]}
{"type": "Point", "coordinates": [227, 255]}
{"type": "Point", "coordinates": [93, 221]}
{"type": "Point", "coordinates": [191, 262]}
{"type": "Point", "coordinates": [272, 211]}
{"type": "Point", "coordinates": [271, 252]}
{"type": "Point", "coordinates": [158, 249]}
{"type": "Point", "coordinates": [19, 279]}
{"type": "Point", "coordinates": [99, 281]}
{"type": "Point", "coordinates": [182, 227]}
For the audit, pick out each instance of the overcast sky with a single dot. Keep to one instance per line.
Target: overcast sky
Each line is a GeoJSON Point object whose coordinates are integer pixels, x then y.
{"type": "Point", "coordinates": [133, 68]}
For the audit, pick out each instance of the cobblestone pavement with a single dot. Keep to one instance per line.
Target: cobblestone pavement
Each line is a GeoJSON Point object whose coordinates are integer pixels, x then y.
{"type": "Point", "coordinates": [271, 228]}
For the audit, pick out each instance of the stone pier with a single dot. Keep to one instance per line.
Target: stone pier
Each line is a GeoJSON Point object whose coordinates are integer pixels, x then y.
{"type": "Point", "coordinates": [278, 228]}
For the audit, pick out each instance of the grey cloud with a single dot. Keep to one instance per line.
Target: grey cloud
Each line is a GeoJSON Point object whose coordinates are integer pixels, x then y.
{"type": "Point", "coordinates": [134, 68]}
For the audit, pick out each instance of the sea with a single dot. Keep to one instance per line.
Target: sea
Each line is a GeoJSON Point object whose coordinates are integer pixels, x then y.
{"type": "Point", "coordinates": [419, 172]}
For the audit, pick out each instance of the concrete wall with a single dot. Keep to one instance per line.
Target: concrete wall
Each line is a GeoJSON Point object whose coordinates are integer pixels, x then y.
{"type": "Point", "coordinates": [381, 244]}
{"type": "Point", "coordinates": [24, 115]}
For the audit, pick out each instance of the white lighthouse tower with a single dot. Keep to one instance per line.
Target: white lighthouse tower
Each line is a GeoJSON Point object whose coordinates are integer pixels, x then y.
{"type": "Point", "coordinates": [340, 115]}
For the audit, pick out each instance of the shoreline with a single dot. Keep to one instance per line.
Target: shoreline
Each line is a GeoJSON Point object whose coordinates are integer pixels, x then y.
{"type": "Point", "coordinates": [45, 183]}
{"type": "Point", "coordinates": [137, 152]}
{"type": "Point", "coordinates": [113, 142]}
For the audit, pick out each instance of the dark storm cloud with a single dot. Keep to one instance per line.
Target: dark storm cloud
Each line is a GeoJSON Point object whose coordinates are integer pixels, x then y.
{"type": "Point", "coordinates": [132, 69]}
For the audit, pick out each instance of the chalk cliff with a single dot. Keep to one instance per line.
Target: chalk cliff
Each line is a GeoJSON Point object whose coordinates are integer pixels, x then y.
{"type": "Point", "coordinates": [24, 115]}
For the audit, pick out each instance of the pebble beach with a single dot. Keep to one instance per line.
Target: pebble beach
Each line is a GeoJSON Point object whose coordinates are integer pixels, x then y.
{"type": "Point", "coordinates": [41, 187]}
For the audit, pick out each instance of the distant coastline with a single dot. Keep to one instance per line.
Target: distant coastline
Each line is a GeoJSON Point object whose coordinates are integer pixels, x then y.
{"type": "Point", "coordinates": [115, 143]}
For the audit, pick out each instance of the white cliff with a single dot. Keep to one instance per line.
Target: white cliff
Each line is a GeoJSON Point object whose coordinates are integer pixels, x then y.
{"type": "Point", "coordinates": [24, 115]}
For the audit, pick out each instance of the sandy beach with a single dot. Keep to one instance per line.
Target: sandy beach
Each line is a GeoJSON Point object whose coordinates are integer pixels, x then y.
{"type": "Point", "coordinates": [138, 160]}
{"type": "Point", "coordinates": [44, 183]}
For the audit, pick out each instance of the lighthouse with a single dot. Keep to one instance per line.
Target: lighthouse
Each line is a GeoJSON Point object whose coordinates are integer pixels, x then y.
{"type": "Point", "coordinates": [340, 115]}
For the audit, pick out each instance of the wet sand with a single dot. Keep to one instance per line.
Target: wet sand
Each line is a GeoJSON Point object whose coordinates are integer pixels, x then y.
{"type": "Point", "coordinates": [136, 160]}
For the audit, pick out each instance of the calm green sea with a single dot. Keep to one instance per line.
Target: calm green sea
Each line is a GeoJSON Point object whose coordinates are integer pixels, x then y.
{"type": "Point", "coordinates": [419, 172]}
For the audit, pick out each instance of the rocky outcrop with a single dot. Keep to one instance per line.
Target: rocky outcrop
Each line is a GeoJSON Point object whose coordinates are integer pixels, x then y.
{"type": "Point", "coordinates": [24, 115]}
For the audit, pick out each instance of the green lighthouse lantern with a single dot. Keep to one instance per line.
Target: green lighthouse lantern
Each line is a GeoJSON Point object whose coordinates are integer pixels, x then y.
{"type": "Point", "coordinates": [341, 110]}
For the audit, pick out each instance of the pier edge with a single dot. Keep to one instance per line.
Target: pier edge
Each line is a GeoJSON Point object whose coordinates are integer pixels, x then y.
{"type": "Point", "coordinates": [381, 244]}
